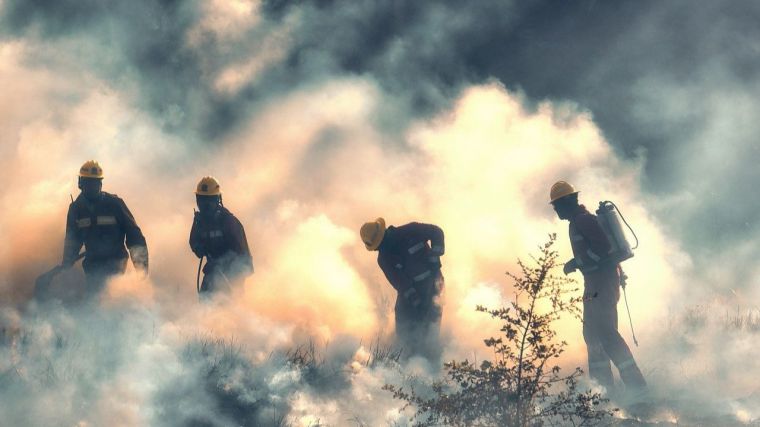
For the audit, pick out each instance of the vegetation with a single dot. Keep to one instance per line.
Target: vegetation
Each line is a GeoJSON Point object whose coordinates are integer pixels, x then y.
{"type": "Point", "coordinates": [522, 385]}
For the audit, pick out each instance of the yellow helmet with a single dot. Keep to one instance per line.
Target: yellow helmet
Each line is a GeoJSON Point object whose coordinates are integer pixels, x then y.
{"type": "Point", "coordinates": [208, 186]}
{"type": "Point", "coordinates": [91, 169]}
{"type": "Point", "coordinates": [372, 233]}
{"type": "Point", "coordinates": [561, 189]}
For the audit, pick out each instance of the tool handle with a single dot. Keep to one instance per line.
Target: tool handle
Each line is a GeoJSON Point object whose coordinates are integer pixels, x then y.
{"type": "Point", "coordinates": [198, 276]}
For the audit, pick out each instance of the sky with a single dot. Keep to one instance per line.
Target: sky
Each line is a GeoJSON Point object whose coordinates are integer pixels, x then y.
{"type": "Point", "coordinates": [670, 85]}
{"type": "Point", "coordinates": [319, 115]}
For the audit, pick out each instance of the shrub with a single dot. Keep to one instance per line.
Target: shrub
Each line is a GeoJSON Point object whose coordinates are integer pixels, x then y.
{"type": "Point", "coordinates": [521, 385]}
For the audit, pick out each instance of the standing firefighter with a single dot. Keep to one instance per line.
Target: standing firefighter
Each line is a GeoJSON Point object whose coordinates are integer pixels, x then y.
{"type": "Point", "coordinates": [601, 293]}
{"type": "Point", "coordinates": [409, 256]}
{"type": "Point", "coordinates": [219, 236]}
{"type": "Point", "coordinates": [102, 223]}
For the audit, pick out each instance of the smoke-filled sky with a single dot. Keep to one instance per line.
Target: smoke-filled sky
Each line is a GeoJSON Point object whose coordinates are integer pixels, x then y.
{"type": "Point", "coordinates": [670, 84]}
{"type": "Point", "coordinates": [319, 115]}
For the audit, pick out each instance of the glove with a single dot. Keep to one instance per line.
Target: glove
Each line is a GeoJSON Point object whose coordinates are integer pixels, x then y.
{"type": "Point", "coordinates": [435, 255]}
{"type": "Point", "coordinates": [570, 267]}
{"type": "Point", "coordinates": [622, 277]}
{"type": "Point", "coordinates": [139, 258]}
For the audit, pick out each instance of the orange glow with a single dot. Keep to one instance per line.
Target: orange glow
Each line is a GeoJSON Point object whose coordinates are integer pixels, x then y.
{"type": "Point", "coordinates": [302, 176]}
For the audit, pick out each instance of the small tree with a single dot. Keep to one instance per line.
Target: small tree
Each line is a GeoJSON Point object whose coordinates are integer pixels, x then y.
{"type": "Point", "coordinates": [522, 385]}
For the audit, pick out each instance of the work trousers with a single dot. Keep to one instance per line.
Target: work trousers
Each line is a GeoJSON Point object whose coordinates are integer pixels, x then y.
{"type": "Point", "coordinates": [600, 331]}
{"type": "Point", "coordinates": [418, 327]}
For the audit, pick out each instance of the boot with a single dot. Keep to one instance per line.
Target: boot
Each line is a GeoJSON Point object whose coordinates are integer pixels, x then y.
{"type": "Point", "coordinates": [631, 375]}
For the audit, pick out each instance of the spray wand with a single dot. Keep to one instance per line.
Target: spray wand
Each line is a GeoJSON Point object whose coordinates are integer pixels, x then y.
{"type": "Point", "coordinates": [624, 277]}
{"type": "Point", "coordinates": [198, 276]}
{"type": "Point", "coordinates": [623, 282]}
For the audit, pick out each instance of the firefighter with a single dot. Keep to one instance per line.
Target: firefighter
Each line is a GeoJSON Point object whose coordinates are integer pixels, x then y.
{"type": "Point", "coordinates": [409, 256]}
{"type": "Point", "coordinates": [219, 236]}
{"type": "Point", "coordinates": [103, 224]}
{"type": "Point", "coordinates": [601, 291]}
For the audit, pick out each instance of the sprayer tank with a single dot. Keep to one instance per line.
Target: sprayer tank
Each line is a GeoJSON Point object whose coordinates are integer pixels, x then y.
{"type": "Point", "coordinates": [609, 219]}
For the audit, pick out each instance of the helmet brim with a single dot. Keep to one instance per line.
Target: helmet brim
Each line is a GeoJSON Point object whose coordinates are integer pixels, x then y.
{"type": "Point", "coordinates": [555, 200]}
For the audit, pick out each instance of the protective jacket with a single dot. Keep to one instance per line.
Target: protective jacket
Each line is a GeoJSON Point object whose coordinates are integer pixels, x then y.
{"type": "Point", "coordinates": [410, 259]}
{"type": "Point", "coordinates": [221, 238]}
{"type": "Point", "coordinates": [103, 227]}
{"type": "Point", "coordinates": [589, 242]}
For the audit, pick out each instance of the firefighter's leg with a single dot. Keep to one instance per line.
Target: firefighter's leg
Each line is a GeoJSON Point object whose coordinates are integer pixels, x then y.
{"type": "Point", "coordinates": [97, 276]}
{"type": "Point", "coordinates": [431, 340]}
{"type": "Point", "coordinates": [616, 347]}
{"type": "Point", "coordinates": [598, 361]}
{"type": "Point", "coordinates": [405, 329]}
{"type": "Point", "coordinates": [207, 286]}
{"type": "Point", "coordinates": [95, 282]}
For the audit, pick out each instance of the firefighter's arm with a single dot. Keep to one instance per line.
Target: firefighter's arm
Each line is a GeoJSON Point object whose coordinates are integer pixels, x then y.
{"type": "Point", "coordinates": [393, 273]}
{"type": "Point", "coordinates": [599, 246]}
{"type": "Point", "coordinates": [72, 243]}
{"type": "Point", "coordinates": [138, 248]}
{"type": "Point", "coordinates": [437, 244]}
{"type": "Point", "coordinates": [196, 245]}
{"type": "Point", "coordinates": [239, 243]}
{"type": "Point", "coordinates": [434, 234]}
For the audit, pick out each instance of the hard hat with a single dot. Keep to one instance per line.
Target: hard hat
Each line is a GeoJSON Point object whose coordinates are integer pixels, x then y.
{"type": "Point", "coordinates": [208, 186]}
{"type": "Point", "coordinates": [91, 169]}
{"type": "Point", "coordinates": [561, 189]}
{"type": "Point", "coordinates": [372, 233]}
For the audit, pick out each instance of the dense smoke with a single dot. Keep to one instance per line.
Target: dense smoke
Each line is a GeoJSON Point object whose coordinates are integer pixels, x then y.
{"type": "Point", "coordinates": [315, 118]}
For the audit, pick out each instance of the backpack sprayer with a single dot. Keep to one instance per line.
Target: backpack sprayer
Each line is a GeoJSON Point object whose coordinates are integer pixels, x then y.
{"type": "Point", "coordinates": [612, 220]}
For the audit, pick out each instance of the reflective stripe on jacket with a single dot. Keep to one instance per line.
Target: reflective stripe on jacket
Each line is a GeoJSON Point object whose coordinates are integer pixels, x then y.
{"type": "Point", "coordinates": [106, 228]}
{"type": "Point", "coordinates": [409, 255]}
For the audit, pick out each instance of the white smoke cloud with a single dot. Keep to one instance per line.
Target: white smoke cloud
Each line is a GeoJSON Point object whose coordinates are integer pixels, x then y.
{"type": "Point", "coordinates": [302, 173]}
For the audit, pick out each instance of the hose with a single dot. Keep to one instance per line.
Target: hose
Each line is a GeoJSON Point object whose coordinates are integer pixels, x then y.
{"type": "Point", "coordinates": [630, 320]}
